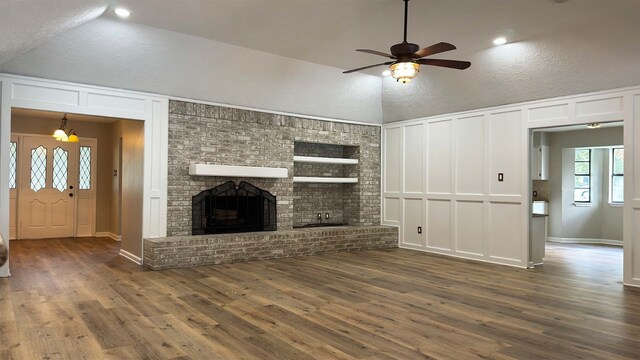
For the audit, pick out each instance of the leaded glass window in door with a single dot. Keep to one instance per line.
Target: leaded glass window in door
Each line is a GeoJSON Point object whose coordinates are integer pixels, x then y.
{"type": "Point", "coordinates": [38, 168]}
{"type": "Point", "coordinates": [85, 168]}
{"type": "Point", "coordinates": [60, 168]}
{"type": "Point", "coordinates": [13, 164]}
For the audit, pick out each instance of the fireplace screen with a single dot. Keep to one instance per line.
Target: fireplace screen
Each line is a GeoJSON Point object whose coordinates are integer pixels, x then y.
{"type": "Point", "coordinates": [231, 208]}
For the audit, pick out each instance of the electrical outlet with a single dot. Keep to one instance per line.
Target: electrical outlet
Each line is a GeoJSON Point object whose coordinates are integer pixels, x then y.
{"type": "Point", "coordinates": [319, 216]}
{"type": "Point", "coordinates": [326, 216]}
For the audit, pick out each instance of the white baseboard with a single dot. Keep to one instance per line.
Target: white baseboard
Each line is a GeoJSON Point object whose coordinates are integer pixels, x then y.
{"type": "Point", "coordinates": [584, 241]}
{"type": "Point", "coordinates": [109, 235]}
{"type": "Point", "coordinates": [130, 256]}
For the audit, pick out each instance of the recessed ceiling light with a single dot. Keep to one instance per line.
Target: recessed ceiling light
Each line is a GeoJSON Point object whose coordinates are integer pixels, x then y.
{"type": "Point", "coordinates": [499, 41]}
{"type": "Point", "coordinates": [386, 73]}
{"type": "Point", "coordinates": [122, 12]}
{"type": "Point", "coordinates": [593, 126]}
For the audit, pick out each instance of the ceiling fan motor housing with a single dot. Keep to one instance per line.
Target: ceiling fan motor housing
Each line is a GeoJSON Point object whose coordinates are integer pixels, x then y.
{"type": "Point", "coordinates": [404, 51]}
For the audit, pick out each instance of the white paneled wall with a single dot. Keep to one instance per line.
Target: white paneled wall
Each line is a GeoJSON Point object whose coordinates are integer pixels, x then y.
{"type": "Point", "coordinates": [441, 174]}
{"type": "Point", "coordinates": [445, 174]}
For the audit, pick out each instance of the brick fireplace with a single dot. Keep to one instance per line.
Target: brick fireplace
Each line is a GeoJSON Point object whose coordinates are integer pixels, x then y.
{"type": "Point", "coordinates": [214, 135]}
{"type": "Point", "coordinates": [218, 135]}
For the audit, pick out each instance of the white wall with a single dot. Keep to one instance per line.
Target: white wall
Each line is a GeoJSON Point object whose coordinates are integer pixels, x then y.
{"type": "Point", "coordinates": [125, 55]}
{"type": "Point", "coordinates": [442, 174]}
{"type": "Point", "coordinates": [567, 221]}
{"type": "Point", "coordinates": [491, 222]}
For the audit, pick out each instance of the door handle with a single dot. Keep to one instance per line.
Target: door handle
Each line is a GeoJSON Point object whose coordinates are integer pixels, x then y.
{"type": "Point", "coordinates": [70, 194]}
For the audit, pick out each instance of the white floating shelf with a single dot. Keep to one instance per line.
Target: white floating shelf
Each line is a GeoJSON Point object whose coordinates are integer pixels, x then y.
{"type": "Point", "coordinates": [325, 160]}
{"type": "Point", "coordinates": [238, 171]}
{"type": "Point", "coordinates": [324, 180]}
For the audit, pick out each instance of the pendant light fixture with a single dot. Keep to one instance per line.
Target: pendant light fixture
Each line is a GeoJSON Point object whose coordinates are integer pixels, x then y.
{"type": "Point", "coordinates": [64, 134]}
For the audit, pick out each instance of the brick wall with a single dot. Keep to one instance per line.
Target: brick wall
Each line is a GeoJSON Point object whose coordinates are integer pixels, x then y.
{"type": "Point", "coordinates": [189, 251]}
{"type": "Point", "coordinates": [219, 135]}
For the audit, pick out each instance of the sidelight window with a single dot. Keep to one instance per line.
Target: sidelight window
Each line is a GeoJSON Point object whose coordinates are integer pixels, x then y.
{"type": "Point", "coordinates": [85, 168]}
{"type": "Point", "coordinates": [13, 164]}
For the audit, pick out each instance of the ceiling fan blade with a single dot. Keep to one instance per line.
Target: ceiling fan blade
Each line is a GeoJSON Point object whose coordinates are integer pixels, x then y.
{"type": "Point", "coordinates": [374, 52]}
{"type": "Point", "coordinates": [366, 67]}
{"type": "Point", "coordinates": [454, 64]}
{"type": "Point", "coordinates": [434, 49]}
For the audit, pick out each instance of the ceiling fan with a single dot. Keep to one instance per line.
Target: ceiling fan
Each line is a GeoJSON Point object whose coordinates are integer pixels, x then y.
{"type": "Point", "coordinates": [408, 57]}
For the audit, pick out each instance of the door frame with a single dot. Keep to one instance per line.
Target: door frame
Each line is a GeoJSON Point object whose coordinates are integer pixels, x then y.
{"type": "Point", "coordinates": [49, 95]}
{"type": "Point", "coordinates": [604, 106]}
{"type": "Point", "coordinates": [84, 141]}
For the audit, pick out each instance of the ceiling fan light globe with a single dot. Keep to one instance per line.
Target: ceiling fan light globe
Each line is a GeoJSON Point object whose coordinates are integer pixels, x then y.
{"type": "Point", "coordinates": [404, 71]}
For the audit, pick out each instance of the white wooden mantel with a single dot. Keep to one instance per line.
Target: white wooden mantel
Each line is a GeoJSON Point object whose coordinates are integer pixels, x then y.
{"type": "Point", "coordinates": [238, 171]}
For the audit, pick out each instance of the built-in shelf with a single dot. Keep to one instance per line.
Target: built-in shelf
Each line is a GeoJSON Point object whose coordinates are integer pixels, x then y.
{"type": "Point", "coordinates": [324, 160]}
{"type": "Point", "coordinates": [238, 171]}
{"type": "Point", "coordinates": [324, 180]}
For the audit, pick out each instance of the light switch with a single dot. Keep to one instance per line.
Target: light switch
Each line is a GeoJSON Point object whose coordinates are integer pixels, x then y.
{"type": "Point", "coordinates": [500, 177]}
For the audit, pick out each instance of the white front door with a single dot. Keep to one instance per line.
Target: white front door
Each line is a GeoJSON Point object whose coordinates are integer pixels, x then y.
{"type": "Point", "coordinates": [47, 188]}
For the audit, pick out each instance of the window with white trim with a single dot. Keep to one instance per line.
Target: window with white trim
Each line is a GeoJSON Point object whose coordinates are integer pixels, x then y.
{"type": "Point", "coordinates": [582, 176]}
{"type": "Point", "coordinates": [616, 188]}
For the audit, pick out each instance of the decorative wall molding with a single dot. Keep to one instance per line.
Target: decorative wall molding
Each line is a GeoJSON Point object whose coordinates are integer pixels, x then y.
{"type": "Point", "coordinates": [409, 192]}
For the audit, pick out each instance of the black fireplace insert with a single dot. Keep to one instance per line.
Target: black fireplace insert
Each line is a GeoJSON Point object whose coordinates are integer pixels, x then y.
{"type": "Point", "coordinates": [231, 208]}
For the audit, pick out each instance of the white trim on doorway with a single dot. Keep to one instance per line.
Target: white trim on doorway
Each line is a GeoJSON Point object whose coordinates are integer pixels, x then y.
{"type": "Point", "coordinates": [49, 95]}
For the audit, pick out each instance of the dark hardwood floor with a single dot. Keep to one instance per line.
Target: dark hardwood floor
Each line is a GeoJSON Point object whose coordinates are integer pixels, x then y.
{"type": "Point", "coordinates": [76, 299]}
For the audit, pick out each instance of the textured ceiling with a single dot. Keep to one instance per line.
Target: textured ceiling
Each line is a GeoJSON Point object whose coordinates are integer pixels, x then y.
{"type": "Point", "coordinates": [328, 31]}
{"type": "Point", "coordinates": [555, 49]}
{"type": "Point", "coordinates": [26, 24]}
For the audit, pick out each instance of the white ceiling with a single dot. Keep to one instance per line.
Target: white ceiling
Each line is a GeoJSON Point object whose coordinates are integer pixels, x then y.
{"type": "Point", "coordinates": [555, 49]}
{"type": "Point", "coordinates": [328, 31]}
{"type": "Point", "coordinates": [26, 24]}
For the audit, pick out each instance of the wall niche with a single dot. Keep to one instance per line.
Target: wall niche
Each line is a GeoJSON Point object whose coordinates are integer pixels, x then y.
{"type": "Point", "coordinates": [325, 183]}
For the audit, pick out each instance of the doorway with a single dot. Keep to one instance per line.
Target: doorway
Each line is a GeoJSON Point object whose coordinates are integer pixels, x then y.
{"type": "Point", "coordinates": [577, 184]}
{"type": "Point", "coordinates": [64, 189]}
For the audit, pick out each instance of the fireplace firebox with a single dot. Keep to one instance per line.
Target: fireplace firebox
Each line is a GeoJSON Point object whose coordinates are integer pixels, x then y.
{"type": "Point", "coordinates": [231, 208]}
